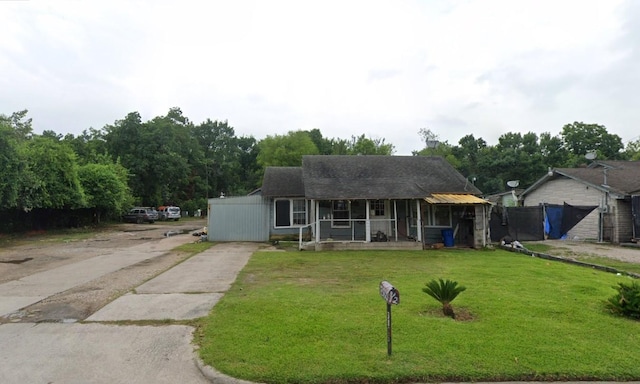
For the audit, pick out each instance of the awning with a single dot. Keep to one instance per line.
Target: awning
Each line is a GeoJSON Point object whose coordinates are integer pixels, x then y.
{"type": "Point", "coordinates": [449, 198]}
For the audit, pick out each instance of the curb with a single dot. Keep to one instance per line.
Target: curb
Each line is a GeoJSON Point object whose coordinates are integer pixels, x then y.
{"type": "Point", "coordinates": [214, 376]}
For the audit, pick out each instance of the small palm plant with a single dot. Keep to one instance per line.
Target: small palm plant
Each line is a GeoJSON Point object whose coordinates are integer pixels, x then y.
{"type": "Point", "coordinates": [445, 291]}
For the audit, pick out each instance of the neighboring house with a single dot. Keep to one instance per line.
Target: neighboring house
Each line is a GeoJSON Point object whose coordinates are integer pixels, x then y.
{"type": "Point", "coordinates": [366, 201]}
{"type": "Point", "coordinates": [612, 186]}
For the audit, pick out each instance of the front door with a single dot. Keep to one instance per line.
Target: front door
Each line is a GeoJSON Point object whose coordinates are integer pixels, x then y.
{"type": "Point", "coordinates": [379, 215]}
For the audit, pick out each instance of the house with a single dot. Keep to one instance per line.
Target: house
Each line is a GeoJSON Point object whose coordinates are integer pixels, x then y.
{"type": "Point", "coordinates": [359, 202]}
{"type": "Point", "coordinates": [612, 186]}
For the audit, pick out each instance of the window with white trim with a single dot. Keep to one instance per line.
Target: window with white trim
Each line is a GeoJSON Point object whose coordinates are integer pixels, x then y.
{"type": "Point", "coordinates": [377, 207]}
{"type": "Point", "coordinates": [299, 212]}
{"type": "Point", "coordinates": [341, 213]}
{"type": "Point", "coordinates": [290, 212]}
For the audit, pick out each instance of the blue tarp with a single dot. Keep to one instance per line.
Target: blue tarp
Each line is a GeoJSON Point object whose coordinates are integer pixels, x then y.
{"type": "Point", "coordinates": [554, 219]}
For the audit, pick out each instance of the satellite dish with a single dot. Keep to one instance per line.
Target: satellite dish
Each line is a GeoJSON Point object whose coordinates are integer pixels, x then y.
{"type": "Point", "coordinates": [590, 155]}
{"type": "Point", "coordinates": [513, 183]}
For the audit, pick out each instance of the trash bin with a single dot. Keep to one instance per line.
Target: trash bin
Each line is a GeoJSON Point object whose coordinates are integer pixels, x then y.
{"type": "Point", "coordinates": [447, 237]}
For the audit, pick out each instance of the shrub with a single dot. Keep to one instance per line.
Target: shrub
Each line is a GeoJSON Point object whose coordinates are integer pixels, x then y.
{"type": "Point", "coordinates": [445, 291]}
{"type": "Point", "coordinates": [627, 301]}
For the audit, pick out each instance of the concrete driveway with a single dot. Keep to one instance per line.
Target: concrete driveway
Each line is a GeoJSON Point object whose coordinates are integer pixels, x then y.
{"type": "Point", "coordinates": [101, 351]}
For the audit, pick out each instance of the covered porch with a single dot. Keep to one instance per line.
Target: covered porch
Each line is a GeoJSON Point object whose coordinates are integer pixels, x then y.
{"type": "Point", "coordinates": [393, 223]}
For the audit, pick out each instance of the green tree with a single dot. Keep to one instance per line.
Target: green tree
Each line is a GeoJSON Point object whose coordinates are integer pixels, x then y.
{"type": "Point", "coordinates": [90, 146]}
{"type": "Point", "coordinates": [171, 152]}
{"type": "Point", "coordinates": [249, 168]}
{"type": "Point", "coordinates": [435, 147]}
{"type": "Point", "coordinates": [444, 291]}
{"type": "Point", "coordinates": [324, 145]}
{"type": "Point", "coordinates": [632, 150]}
{"type": "Point", "coordinates": [517, 156]}
{"type": "Point", "coordinates": [285, 150]}
{"type": "Point", "coordinates": [20, 124]}
{"type": "Point", "coordinates": [362, 145]}
{"type": "Point", "coordinates": [228, 162]}
{"type": "Point", "coordinates": [53, 174]}
{"type": "Point", "coordinates": [106, 190]}
{"type": "Point", "coordinates": [12, 165]}
{"type": "Point", "coordinates": [467, 155]}
{"type": "Point", "coordinates": [159, 155]}
{"type": "Point", "coordinates": [580, 138]}
{"type": "Point", "coordinates": [520, 158]}
{"type": "Point", "coordinates": [553, 151]}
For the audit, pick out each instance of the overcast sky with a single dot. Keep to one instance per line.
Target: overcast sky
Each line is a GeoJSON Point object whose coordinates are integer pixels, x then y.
{"type": "Point", "coordinates": [382, 68]}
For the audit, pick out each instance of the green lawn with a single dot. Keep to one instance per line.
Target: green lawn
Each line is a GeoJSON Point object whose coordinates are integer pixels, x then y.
{"type": "Point", "coordinates": [317, 317]}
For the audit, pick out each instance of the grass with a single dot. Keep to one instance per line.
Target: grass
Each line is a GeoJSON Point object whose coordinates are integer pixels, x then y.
{"type": "Point", "coordinates": [317, 317]}
{"type": "Point", "coordinates": [194, 247]}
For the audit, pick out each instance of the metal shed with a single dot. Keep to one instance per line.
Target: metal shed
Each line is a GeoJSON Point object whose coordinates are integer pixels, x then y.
{"type": "Point", "coordinates": [242, 218]}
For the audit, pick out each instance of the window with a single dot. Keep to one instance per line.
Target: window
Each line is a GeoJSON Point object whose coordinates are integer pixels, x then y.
{"type": "Point", "coordinates": [299, 212]}
{"type": "Point", "coordinates": [341, 213]}
{"type": "Point", "coordinates": [291, 212]}
{"type": "Point", "coordinates": [442, 216]}
{"type": "Point", "coordinates": [377, 207]}
{"type": "Point", "coordinates": [438, 215]}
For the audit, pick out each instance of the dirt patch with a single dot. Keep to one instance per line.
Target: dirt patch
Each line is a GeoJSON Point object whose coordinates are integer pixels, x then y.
{"type": "Point", "coordinates": [42, 253]}
{"type": "Point", "coordinates": [461, 314]}
{"type": "Point", "coordinates": [573, 249]}
{"type": "Point", "coordinates": [31, 254]}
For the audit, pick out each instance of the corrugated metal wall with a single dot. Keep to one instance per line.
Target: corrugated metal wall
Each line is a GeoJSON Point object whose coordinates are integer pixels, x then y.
{"type": "Point", "coordinates": [243, 218]}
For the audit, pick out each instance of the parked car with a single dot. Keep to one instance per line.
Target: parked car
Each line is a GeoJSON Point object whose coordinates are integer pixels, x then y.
{"type": "Point", "coordinates": [140, 215]}
{"type": "Point", "coordinates": [169, 213]}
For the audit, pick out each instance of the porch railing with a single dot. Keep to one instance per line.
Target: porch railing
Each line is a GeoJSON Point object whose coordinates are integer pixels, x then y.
{"type": "Point", "coordinates": [379, 229]}
{"type": "Point", "coordinates": [306, 233]}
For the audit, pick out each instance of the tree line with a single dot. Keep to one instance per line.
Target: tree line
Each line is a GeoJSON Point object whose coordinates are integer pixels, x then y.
{"type": "Point", "coordinates": [527, 157]}
{"type": "Point", "coordinates": [51, 179]}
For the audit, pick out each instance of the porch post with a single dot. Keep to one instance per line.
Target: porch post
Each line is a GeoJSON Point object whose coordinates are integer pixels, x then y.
{"type": "Point", "coordinates": [419, 221]}
{"type": "Point", "coordinates": [367, 225]}
{"type": "Point", "coordinates": [484, 225]}
{"type": "Point", "coordinates": [395, 217]}
{"type": "Point", "coordinates": [317, 220]}
{"type": "Point", "coordinates": [311, 216]}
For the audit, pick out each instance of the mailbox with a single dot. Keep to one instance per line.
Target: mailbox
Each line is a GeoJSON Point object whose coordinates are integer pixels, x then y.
{"type": "Point", "coordinates": [391, 296]}
{"type": "Point", "coordinates": [389, 293]}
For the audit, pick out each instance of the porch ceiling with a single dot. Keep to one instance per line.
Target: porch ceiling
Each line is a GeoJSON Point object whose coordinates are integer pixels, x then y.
{"type": "Point", "coordinates": [449, 198]}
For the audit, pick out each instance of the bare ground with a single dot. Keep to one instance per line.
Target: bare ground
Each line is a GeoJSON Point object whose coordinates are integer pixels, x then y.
{"type": "Point", "coordinates": [33, 254]}
{"type": "Point", "coordinates": [572, 249]}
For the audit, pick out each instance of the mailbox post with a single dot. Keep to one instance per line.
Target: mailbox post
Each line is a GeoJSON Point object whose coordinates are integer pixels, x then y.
{"type": "Point", "coordinates": [391, 296]}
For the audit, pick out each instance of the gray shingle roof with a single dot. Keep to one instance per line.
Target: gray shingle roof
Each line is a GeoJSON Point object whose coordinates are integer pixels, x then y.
{"type": "Point", "coordinates": [623, 177]}
{"type": "Point", "coordinates": [282, 182]}
{"type": "Point", "coordinates": [380, 177]}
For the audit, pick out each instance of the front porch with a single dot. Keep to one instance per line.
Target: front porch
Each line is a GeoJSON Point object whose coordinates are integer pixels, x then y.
{"type": "Point", "coordinates": [391, 224]}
